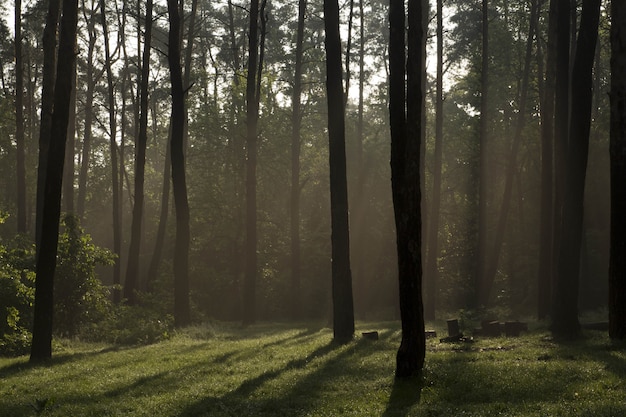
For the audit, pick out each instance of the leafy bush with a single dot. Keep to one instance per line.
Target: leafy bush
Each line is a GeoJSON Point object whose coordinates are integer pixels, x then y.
{"type": "Point", "coordinates": [79, 296]}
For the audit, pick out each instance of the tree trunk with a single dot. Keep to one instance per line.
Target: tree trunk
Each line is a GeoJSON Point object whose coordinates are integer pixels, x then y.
{"type": "Point", "coordinates": [432, 269]}
{"type": "Point", "coordinates": [617, 266]}
{"type": "Point", "coordinates": [482, 294]}
{"type": "Point", "coordinates": [252, 114]}
{"type": "Point", "coordinates": [343, 308]}
{"type": "Point", "coordinates": [405, 108]}
{"type": "Point", "coordinates": [565, 319]}
{"type": "Point", "coordinates": [182, 315]}
{"type": "Point", "coordinates": [546, 258]}
{"type": "Point", "coordinates": [68, 169]}
{"type": "Point", "coordinates": [91, 84]}
{"type": "Point", "coordinates": [117, 235]}
{"type": "Point", "coordinates": [132, 269]}
{"type": "Point", "coordinates": [296, 123]}
{"type": "Point", "coordinates": [41, 347]}
{"type": "Point", "coordinates": [19, 121]}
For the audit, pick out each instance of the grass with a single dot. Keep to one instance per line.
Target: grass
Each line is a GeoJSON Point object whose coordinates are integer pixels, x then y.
{"type": "Point", "coordinates": [295, 370]}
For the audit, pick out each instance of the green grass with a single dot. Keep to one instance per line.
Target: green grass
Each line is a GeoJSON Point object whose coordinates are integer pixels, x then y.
{"type": "Point", "coordinates": [295, 370]}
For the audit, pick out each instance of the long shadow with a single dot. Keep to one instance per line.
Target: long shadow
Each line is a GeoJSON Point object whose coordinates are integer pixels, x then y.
{"type": "Point", "coordinates": [404, 395]}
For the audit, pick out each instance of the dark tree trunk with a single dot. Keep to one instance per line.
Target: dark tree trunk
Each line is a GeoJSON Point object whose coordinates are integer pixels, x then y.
{"type": "Point", "coordinates": [343, 307]}
{"type": "Point", "coordinates": [492, 264]}
{"type": "Point", "coordinates": [432, 270]}
{"type": "Point", "coordinates": [182, 315]}
{"type": "Point", "coordinates": [348, 52]}
{"type": "Point", "coordinates": [19, 121]}
{"type": "Point", "coordinates": [47, 101]}
{"type": "Point", "coordinates": [617, 267]}
{"type": "Point", "coordinates": [252, 113]}
{"type": "Point", "coordinates": [68, 169]}
{"type": "Point", "coordinates": [41, 348]}
{"type": "Point", "coordinates": [132, 269]}
{"type": "Point", "coordinates": [565, 318]}
{"type": "Point", "coordinates": [115, 180]}
{"type": "Point", "coordinates": [546, 258]}
{"type": "Point", "coordinates": [482, 293]}
{"type": "Point", "coordinates": [405, 108]}
{"type": "Point", "coordinates": [296, 123]}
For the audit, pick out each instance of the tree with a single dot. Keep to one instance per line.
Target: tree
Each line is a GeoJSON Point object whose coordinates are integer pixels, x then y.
{"type": "Point", "coordinates": [405, 116]}
{"type": "Point", "coordinates": [41, 348]}
{"type": "Point", "coordinates": [182, 315]}
{"type": "Point", "coordinates": [617, 266]}
{"type": "Point", "coordinates": [19, 121]}
{"type": "Point", "coordinates": [296, 123]}
{"type": "Point", "coordinates": [565, 318]}
{"type": "Point", "coordinates": [343, 307]}
{"type": "Point", "coordinates": [132, 268]}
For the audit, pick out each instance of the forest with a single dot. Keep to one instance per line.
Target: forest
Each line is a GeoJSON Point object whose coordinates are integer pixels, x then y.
{"type": "Point", "coordinates": [168, 164]}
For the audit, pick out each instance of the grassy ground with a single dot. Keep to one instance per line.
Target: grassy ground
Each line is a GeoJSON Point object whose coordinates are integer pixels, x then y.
{"type": "Point", "coordinates": [289, 370]}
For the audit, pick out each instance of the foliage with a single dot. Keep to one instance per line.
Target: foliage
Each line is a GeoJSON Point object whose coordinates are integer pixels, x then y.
{"type": "Point", "coordinates": [16, 295]}
{"type": "Point", "coordinates": [80, 297]}
{"type": "Point", "coordinates": [281, 370]}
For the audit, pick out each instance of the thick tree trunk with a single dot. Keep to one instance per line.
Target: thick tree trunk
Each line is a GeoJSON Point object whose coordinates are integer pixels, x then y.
{"type": "Point", "coordinates": [68, 169]}
{"type": "Point", "coordinates": [296, 123]}
{"type": "Point", "coordinates": [617, 266]}
{"type": "Point", "coordinates": [182, 315]}
{"type": "Point", "coordinates": [565, 319]}
{"type": "Point", "coordinates": [19, 121]}
{"type": "Point", "coordinates": [41, 347]}
{"type": "Point", "coordinates": [252, 112]}
{"type": "Point", "coordinates": [132, 270]}
{"type": "Point", "coordinates": [343, 305]}
{"type": "Point", "coordinates": [405, 108]}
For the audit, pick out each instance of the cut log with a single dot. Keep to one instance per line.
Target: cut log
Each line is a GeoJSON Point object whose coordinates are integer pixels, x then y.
{"type": "Point", "coordinates": [370, 335]}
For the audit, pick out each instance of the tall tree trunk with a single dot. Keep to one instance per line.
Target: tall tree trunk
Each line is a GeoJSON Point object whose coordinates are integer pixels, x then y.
{"type": "Point", "coordinates": [47, 105]}
{"type": "Point", "coordinates": [182, 315]}
{"type": "Point", "coordinates": [70, 146]}
{"type": "Point", "coordinates": [432, 269]}
{"type": "Point", "coordinates": [546, 258]}
{"type": "Point", "coordinates": [89, 97]}
{"type": "Point", "coordinates": [348, 52]}
{"type": "Point", "coordinates": [565, 319]}
{"type": "Point", "coordinates": [116, 209]}
{"type": "Point", "coordinates": [482, 295]}
{"type": "Point", "coordinates": [19, 121]}
{"type": "Point", "coordinates": [41, 347]}
{"type": "Point", "coordinates": [252, 114]}
{"type": "Point", "coordinates": [343, 308]}
{"type": "Point", "coordinates": [617, 266]}
{"type": "Point", "coordinates": [406, 105]}
{"type": "Point", "coordinates": [132, 269]}
{"type": "Point", "coordinates": [493, 261]}
{"type": "Point", "coordinates": [296, 123]}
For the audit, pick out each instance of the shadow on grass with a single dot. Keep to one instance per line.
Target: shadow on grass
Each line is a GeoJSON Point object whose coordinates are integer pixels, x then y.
{"type": "Point", "coordinates": [405, 393]}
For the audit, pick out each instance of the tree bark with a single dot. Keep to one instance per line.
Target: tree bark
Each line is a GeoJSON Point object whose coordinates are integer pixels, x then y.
{"type": "Point", "coordinates": [182, 315]}
{"type": "Point", "coordinates": [132, 269]}
{"type": "Point", "coordinates": [405, 108]}
{"type": "Point", "coordinates": [565, 318]}
{"type": "Point", "coordinates": [343, 306]}
{"type": "Point", "coordinates": [617, 266]}
{"type": "Point", "coordinates": [68, 169]}
{"type": "Point", "coordinates": [41, 347]}
{"type": "Point", "coordinates": [296, 123]}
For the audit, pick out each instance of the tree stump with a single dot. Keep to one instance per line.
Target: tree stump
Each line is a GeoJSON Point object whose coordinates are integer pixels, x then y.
{"type": "Point", "coordinates": [453, 327]}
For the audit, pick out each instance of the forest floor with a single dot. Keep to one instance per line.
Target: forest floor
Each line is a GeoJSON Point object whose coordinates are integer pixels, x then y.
{"type": "Point", "coordinates": [282, 369]}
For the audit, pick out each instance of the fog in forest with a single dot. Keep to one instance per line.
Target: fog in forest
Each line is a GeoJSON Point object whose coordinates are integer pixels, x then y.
{"type": "Point", "coordinates": [214, 62]}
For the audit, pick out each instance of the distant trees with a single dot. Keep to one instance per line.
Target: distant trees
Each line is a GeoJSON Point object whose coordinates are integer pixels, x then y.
{"type": "Point", "coordinates": [343, 307]}
{"type": "Point", "coordinates": [405, 115]}
{"type": "Point", "coordinates": [617, 267]}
